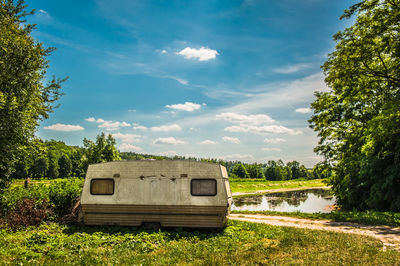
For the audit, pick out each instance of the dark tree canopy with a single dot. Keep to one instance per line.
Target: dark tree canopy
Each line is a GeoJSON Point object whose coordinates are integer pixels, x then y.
{"type": "Point", "coordinates": [24, 98]}
{"type": "Point", "coordinates": [358, 120]}
{"type": "Point", "coordinates": [240, 171]}
{"type": "Point", "coordinates": [255, 171]}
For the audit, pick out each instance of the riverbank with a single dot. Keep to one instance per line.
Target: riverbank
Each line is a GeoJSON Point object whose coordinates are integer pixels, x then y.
{"type": "Point", "coordinates": [239, 194]}
{"type": "Point", "coordinates": [240, 187]}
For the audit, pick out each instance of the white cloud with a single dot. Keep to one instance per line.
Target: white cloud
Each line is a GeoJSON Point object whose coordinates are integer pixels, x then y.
{"type": "Point", "coordinates": [230, 139]}
{"type": "Point", "coordinates": [108, 125]}
{"type": "Point", "coordinates": [169, 141]}
{"type": "Point", "coordinates": [63, 127]}
{"type": "Point", "coordinates": [167, 128]}
{"type": "Point", "coordinates": [178, 79]}
{"type": "Point", "coordinates": [283, 95]}
{"type": "Point", "coordinates": [208, 142]}
{"type": "Point", "coordinates": [275, 140]}
{"type": "Point", "coordinates": [202, 54]}
{"type": "Point", "coordinates": [163, 51]}
{"type": "Point", "coordinates": [303, 110]}
{"type": "Point", "coordinates": [125, 147]}
{"type": "Point", "coordinates": [127, 137]}
{"type": "Point", "coordinates": [245, 119]}
{"type": "Point", "coordinates": [292, 68]}
{"type": "Point", "coordinates": [44, 14]}
{"type": "Point", "coordinates": [167, 153]}
{"type": "Point", "coordinates": [238, 157]}
{"type": "Point", "coordinates": [254, 124]}
{"type": "Point", "coordinates": [272, 129]}
{"type": "Point", "coordinates": [139, 127]}
{"type": "Point", "coordinates": [271, 149]}
{"type": "Point", "coordinates": [187, 106]}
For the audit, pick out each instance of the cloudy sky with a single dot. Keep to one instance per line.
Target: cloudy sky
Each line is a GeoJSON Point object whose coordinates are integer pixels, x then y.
{"type": "Point", "coordinates": [223, 79]}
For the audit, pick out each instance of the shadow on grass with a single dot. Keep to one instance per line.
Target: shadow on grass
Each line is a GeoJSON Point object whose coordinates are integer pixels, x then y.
{"type": "Point", "coordinates": [175, 232]}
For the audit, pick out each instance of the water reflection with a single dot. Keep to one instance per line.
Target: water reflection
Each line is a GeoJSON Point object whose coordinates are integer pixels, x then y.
{"type": "Point", "coordinates": [311, 200]}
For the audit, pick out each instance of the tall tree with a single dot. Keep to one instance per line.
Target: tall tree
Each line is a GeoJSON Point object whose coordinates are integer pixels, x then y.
{"type": "Point", "coordinates": [358, 120]}
{"type": "Point", "coordinates": [255, 171]}
{"type": "Point", "coordinates": [103, 150]}
{"type": "Point", "coordinates": [39, 168]}
{"type": "Point", "coordinates": [294, 169]}
{"type": "Point", "coordinates": [65, 166]}
{"type": "Point", "coordinates": [240, 171]}
{"type": "Point", "coordinates": [24, 98]}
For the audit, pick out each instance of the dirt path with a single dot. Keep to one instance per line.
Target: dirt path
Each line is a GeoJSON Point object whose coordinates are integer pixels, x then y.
{"type": "Point", "coordinates": [276, 190]}
{"type": "Point", "coordinates": [390, 236]}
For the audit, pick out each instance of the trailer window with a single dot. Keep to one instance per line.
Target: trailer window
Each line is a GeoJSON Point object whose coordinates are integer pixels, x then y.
{"type": "Point", "coordinates": [104, 186]}
{"type": "Point", "coordinates": [203, 187]}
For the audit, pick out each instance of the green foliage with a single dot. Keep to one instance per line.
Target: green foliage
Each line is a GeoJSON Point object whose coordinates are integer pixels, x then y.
{"type": "Point", "coordinates": [240, 171]}
{"type": "Point", "coordinates": [24, 97]}
{"type": "Point", "coordinates": [276, 170]}
{"type": "Point", "coordinates": [240, 243]}
{"type": "Point", "coordinates": [63, 195]}
{"type": "Point", "coordinates": [14, 194]}
{"type": "Point", "coordinates": [255, 171]}
{"type": "Point", "coordinates": [358, 121]}
{"type": "Point", "coordinates": [40, 167]}
{"type": "Point", "coordinates": [103, 150]}
{"type": "Point", "coordinates": [52, 171]}
{"type": "Point", "coordinates": [294, 169]}
{"type": "Point", "coordinates": [65, 166]}
{"type": "Point", "coordinates": [272, 171]}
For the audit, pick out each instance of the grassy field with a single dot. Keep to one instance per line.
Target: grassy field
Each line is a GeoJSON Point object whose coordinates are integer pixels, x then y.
{"type": "Point", "coordinates": [240, 243]}
{"type": "Point", "coordinates": [253, 185]}
{"type": "Point", "coordinates": [45, 181]}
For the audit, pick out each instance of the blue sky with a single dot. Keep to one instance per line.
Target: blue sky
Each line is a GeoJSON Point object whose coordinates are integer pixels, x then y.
{"type": "Point", "coordinates": [221, 79]}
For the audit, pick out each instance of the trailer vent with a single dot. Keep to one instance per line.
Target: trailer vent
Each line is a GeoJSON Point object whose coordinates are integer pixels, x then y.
{"type": "Point", "coordinates": [203, 187]}
{"type": "Point", "coordinates": [103, 186]}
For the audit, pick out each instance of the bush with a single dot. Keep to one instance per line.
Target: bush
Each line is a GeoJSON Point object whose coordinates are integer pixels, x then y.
{"type": "Point", "coordinates": [63, 194]}
{"type": "Point", "coordinates": [10, 197]}
{"type": "Point", "coordinates": [60, 196]}
{"type": "Point", "coordinates": [27, 212]}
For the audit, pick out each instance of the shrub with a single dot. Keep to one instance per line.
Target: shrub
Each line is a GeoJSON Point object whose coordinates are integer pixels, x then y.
{"type": "Point", "coordinates": [28, 212]}
{"type": "Point", "coordinates": [59, 196]}
{"type": "Point", "coordinates": [63, 195]}
{"type": "Point", "coordinates": [10, 197]}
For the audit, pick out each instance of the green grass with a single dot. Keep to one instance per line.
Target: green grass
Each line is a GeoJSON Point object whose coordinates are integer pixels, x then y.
{"type": "Point", "coordinates": [240, 243]}
{"type": "Point", "coordinates": [367, 217]}
{"type": "Point", "coordinates": [253, 185]}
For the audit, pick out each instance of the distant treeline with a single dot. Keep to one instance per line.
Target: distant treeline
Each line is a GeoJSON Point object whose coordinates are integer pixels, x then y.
{"type": "Point", "coordinates": [272, 170]}
{"type": "Point", "coordinates": [55, 159]}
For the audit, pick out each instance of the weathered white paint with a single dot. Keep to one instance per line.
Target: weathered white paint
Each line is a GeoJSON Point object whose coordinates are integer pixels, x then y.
{"type": "Point", "coordinates": [156, 183]}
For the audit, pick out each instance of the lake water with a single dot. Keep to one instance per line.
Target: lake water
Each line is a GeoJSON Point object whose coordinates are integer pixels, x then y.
{"type": "Point", "coordinates": [309, 201]}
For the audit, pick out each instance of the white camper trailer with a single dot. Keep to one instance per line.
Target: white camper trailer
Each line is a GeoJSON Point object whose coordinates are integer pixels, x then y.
{"type": "Point", "coordinates": [171, 193]}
